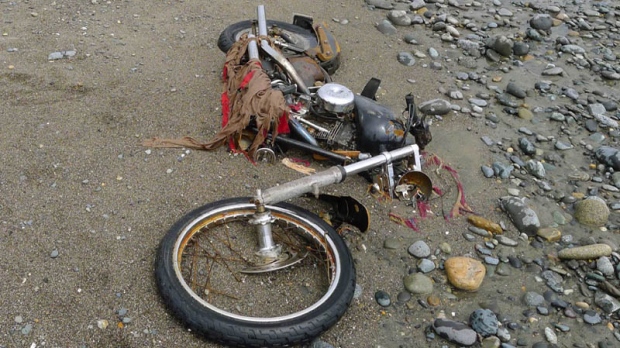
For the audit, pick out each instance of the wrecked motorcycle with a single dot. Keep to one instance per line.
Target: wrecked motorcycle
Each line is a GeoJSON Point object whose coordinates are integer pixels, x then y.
{"type": "Point", "coordinates": [258, 271]}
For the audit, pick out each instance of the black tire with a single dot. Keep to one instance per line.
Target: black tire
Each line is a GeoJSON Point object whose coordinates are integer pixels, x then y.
{"type": "Point", "coordinates": [193, 294]}
{"type": "Point", "coordinates": [300, 37]}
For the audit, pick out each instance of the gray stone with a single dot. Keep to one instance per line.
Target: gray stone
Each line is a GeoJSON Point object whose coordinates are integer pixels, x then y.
{"type": "Point", "coordinates": [435, 107]}
{"type": "Point", "coordinates": [383, 298]}
{"type": "Point", "coordinates": [596, 109]}
{"type": "Point", "coordinates": [503, 46]}
{"type": "Point", "coordinates": [382, 4]}
{"type": "Point", "coordinates": [606, 302]}
{"type": "Point", "coordinates": [406, 58]}
{"type": "Point", "coordinates": [592, 317]}
{"type": "Point", "coordinates": [604, 265]}
{"type": "Point", "coordinates": [515, 90]}
{"type": "Point", "coordinates": [417, 4]}
{"type": "Point", "coordinates": [553, 280]}
{"type": "Point", "coordinates": [522, 216]}
{"type": "Point", "coordinates": [609, 156]}
{"type": "Point", "coordinates": [418, 283]}
{"type": "Point", "coordinates": [426, 266]}
{"type": "Point", "coordinates": [487, 171]}
{"type": "Point", "coordinates": [554, 71]}
{"type": "Point", "coordinates": [533, 299]}
{"type": "Point", "coordinates": [386, 27]}
{"type": "Point", "coordinates": [478, 102]}
{"type": "Point", "coordinates": [399, 18]}
{"type": "Point", "coordinates": [526, 146]}
{"type": "Point", "coordinates": [502, 239]}
{"type": "Point", "coordinates": [541, 22]}
{"type": "Point", "coordinates": [610, 75]}
{"type": "Point", "coordinates": [520, 48]}
{"type": "Point", "coordinates": [574, 49]}
{"type": "Point", "coordinates": [419, 249]}
{"type": "Point", "coordinates": [484, 322]}
{"type": "Point", "coordinates": [535, 168]}
{"type": "Point", "coordinates": [455, 332]}
{"type": "Point", "coordinates": [502, 170]}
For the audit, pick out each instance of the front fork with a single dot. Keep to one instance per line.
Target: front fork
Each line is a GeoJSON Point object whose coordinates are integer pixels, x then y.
{"type": "Point", "coordinates": [262, 218]}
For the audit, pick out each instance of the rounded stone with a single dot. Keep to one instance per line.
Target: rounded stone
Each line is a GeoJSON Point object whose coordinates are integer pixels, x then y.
{"type": "Point", "coordinates": [465, 273]}
{"type": "Point", "coordinates": [419, 249]}
{"type": "Point", "coordinates": [592, 211]}
{"type": "Point", "coordinates": [383, 298]}
{"type": "Point", "coordinates": [484, 322]}
{"type": "Point", "coordinates": [604, 265]}
{"type": "Point", "coordinates": [426, 265]}
{"type": "Point", "coordinates": [533, 299]}
{"type": "Point", "coordinates": [418, 283]}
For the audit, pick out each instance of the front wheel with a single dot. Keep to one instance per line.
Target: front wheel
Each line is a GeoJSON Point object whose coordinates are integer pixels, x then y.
{"type": "Point", "coordinates": [201, 272]}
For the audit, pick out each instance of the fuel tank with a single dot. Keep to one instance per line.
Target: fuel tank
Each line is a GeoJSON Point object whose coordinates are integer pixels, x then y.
{"type": "Point", "coordinates": [378, 129]}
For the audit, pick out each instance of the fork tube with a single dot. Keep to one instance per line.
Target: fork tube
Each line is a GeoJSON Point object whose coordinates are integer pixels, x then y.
{"type": "Point", "coordinates": [262, 221]}
{"type": "Point", "coordinates": [262, 21]}
{"type": "Point", "coordinates": [332, 175]}
{"type": "Point", "coordinates": [253, 48]}
{"type": "Point", "coordinates": [276, 55]}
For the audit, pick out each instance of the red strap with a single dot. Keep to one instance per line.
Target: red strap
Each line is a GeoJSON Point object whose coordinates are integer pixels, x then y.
{"type": "Point", "coordinates": [246, 79]}
{"type": "Point", "coordinates": [283, 124]}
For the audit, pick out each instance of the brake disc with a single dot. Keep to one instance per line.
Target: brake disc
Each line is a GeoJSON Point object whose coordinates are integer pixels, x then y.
{"type": "Point", "coordinates": [285, 259]}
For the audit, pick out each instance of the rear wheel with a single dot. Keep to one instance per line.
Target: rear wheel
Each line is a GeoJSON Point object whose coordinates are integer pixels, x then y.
{"type": "Point", "coordinates": [209, 275]}
{"type": "Point", "coordinates": [292, 34]}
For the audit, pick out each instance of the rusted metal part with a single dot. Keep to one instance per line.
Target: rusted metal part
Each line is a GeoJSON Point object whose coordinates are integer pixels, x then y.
{"type": "Point", "coordinates": [308, 70]}
{"type": "Point", "coordinates": [328, 48]}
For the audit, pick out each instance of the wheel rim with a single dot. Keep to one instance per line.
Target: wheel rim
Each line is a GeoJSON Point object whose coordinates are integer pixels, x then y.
{"type": "Point", "coordinates": [210, 252]}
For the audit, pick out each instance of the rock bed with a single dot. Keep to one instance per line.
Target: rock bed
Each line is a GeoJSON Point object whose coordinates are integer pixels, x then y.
{"type": "Point", "coordinates": [547, 73]}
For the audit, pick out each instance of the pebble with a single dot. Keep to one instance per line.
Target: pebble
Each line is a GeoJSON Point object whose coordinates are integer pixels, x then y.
{"type": "Point", "coordinates": [533, 299]}
{"type": "Point", "coordinates": [605, 266]}
{"type": "Point", "coordinates": [484, 322]}
{"type": "Point", "coordinates": [382, 298]}
{"type": "Point", "coordinates": [586, 252]}
{"type": "Point", "coordinates": [606, 302]}
{"type": "Point", "coordinates": [465, 273]}
{"type": "Point", "coordinates": [26, 329]}
{"type": "Point", "coordinates": [592, 317]}
{"type": "Point", "coordinates": [435, 107]}
{"type": "Point", "coordinates": [522, 216]}
{"type": "Point", "coordinates": [455, 332]}
{"type": "Point", "coordinates": [551, 336]}
{"type": "Point", "coordinates": [592, 211]}
{"type": "Point", "coordinates": [61, 55]}
{"type": "Point", "coordinates": [418, 283]}
{"type": "Point", "coordinates": [419, 249]}
{"type": "Point", "coordinates": [406, 58]}
{"type": "Point", "coordinates": [318, 343]}
{"type": "Point", "coordinates": [426, 266]}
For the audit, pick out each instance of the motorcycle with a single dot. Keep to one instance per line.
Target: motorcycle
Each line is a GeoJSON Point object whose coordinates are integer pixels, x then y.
{"type": "Point", "coordinates": [261, 272]}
